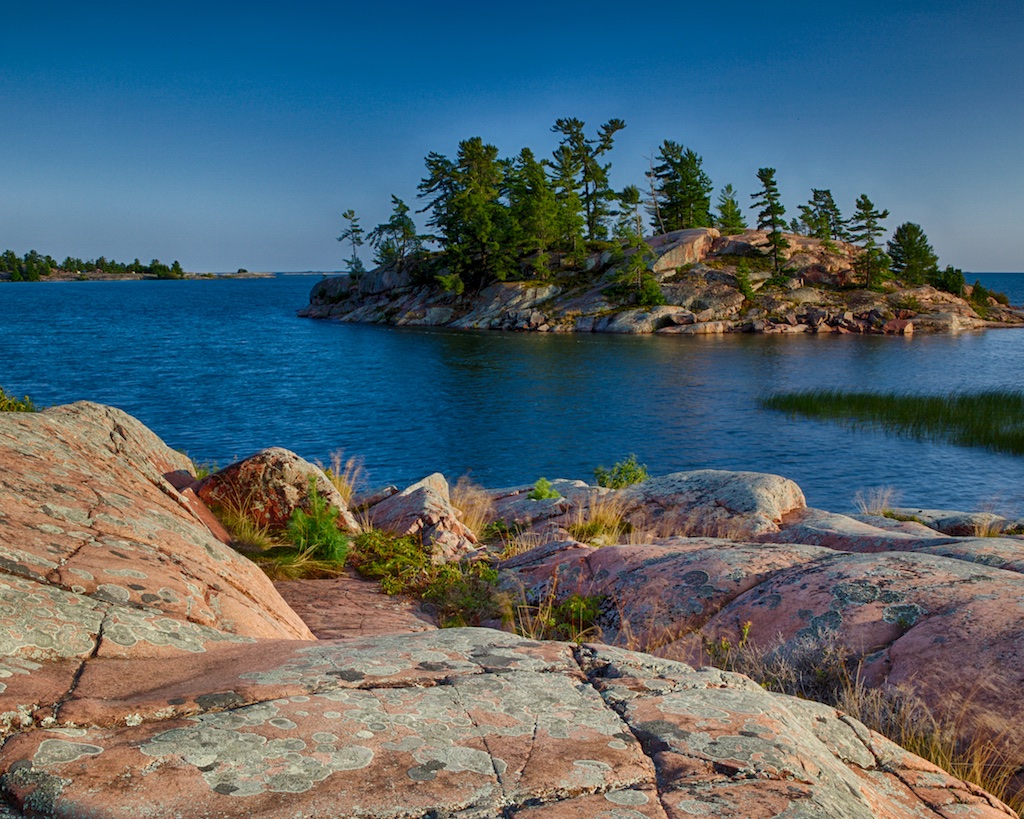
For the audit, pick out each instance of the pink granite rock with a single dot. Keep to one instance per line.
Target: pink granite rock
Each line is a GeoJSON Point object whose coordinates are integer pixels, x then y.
{"type": "Point", "coordinates": [424, 510]}
{"type": "Point", "coordinates": [147, 670]}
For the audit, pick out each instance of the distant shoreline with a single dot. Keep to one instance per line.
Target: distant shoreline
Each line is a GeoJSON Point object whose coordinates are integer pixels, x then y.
{"type": "Point", "coordinates": [134, 277]}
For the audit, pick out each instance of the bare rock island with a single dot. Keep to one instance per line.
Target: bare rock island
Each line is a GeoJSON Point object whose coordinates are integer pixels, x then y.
{"type": "Point", "coordinates": [149, 670]}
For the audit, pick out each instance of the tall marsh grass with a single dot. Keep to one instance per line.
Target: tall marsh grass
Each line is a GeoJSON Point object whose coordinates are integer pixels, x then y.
{"type": "Point", "coordinates": [993, 419]}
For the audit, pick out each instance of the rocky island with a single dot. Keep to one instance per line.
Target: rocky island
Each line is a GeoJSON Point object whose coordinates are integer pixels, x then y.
{"type": "Point", "coordinates": [706, 283]}
{"type": "Point", "coordinates": [147, 668]}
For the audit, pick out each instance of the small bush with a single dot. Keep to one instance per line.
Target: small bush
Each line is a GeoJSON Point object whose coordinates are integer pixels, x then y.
{"type": "Point", "coordinates": [316, 532]}
{"type": "Point", "coordinates": [8, 403]}
{"type": "Point", "coordinates": [542, 490]}
{"type": "Point", "coordinates": [743, 283]}
{"type": "Point", "coordinates": [625, 473]}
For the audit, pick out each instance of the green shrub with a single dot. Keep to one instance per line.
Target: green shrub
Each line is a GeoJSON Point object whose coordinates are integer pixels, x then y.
{"type": "Point", "coordinates": [462, 594]}
{"type": "Point", "coordinates": [8, 403]}
{"type": "Point", "coordinates": [624, 473]}
{"type": "Point", "coordinates": [743, 280]}
{"type": "Point", "coordinates": [951, 280]}
{"type": "Point", "coordinates": [316, 532]}
{"type": "Point", "coordinates": [542, 490]}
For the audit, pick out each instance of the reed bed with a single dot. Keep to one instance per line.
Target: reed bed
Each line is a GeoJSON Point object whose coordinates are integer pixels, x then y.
{"type": "Point", "coordinates": [993, 419]}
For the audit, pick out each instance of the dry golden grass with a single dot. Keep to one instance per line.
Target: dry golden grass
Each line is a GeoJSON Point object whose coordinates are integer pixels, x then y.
{"type": "Point", "coordinates": [554, 619]}
{"type": "Point", "coordinates": [474, 502]}
{"type": "Point", "coordinates": [288, 564]}
{"type": "Point", "coordinates": [345, 473]}
{"type": "Point", "coordinates": [602, 522]}
{"type": "Point", "coordinates": [876, 501]}
{"type": "Point", "coordinates": [241, 517]}
{"type": "Point", "coordinates": [517, 543]}
{"type": "Point", "coordinates": [825, 670]}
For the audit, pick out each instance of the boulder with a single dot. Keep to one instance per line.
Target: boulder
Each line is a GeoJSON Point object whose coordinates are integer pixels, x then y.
{"type": "Point", "coordinates": [101, 556]}
{"type": "Point", "coordinates": [681, 247]}
{"type": "Point", "coordinates": [270, 485]}
{"type": "Point", "coordinates": [712, 502]}
{"type": "Point", "coordinates": [956, 523]}
{"type": "Point", "coordinates": [424, 510]}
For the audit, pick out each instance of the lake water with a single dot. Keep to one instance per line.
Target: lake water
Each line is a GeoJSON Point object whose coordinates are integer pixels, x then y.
{"type": "Point", "coordinates": [224, 368]}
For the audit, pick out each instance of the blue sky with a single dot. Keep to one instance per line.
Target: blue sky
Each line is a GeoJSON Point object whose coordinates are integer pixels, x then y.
{"type": "Point", "coordinates": [234, 135]}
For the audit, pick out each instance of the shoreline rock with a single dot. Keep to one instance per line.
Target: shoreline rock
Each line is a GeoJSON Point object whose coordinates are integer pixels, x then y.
{"type": "Point", "coordinates": [698, 276]}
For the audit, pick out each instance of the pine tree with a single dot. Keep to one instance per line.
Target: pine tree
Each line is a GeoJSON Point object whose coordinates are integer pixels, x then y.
{"type": "Point", "coordinates": [771, 213]}
{"type": "Point", "coordinates": [569, 220]}
{"type": "Point", "coordinates": [533, 208]}
{"type": "Point", "coordinates": [581, 163]}
{"type": "Point", "coordinates": [865, 229]}
{"type": "Point", "coordinates": [682, 189]}
{"type": "Point", "coordinates": [730, 216]}
{"type": "Point", "coordinates": [631, 222]}
{"type": "Point", "coordinates": [353, 234]}
{"type": "Point", "coordinates": [821, 217]}
{"type": "Point", "coordinates": [474, 226]}
{"type": "Point", "coordinates": [395, 240]}
{"type": "Point", "coordinates": [913, 259]}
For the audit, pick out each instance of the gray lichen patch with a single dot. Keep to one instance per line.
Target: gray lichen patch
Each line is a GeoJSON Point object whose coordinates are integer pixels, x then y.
{"type": "Point", "coordinates": [129, 629]}
{"type": "Point", "coordinates": [44, 622]}
{"type": "Point", "coordinates": [60, 751]}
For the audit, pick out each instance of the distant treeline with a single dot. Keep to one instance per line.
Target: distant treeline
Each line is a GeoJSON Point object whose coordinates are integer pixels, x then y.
{"type": "Point", "coordinates": [34, 266]}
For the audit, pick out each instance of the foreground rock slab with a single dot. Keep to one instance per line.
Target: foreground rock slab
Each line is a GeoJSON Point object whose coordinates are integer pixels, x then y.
{"type": "Point", "coordinates": [470, 723]}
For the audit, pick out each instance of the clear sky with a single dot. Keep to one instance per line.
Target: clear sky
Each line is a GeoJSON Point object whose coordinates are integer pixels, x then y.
{"type": "Point", "coordinates": [234, 135]}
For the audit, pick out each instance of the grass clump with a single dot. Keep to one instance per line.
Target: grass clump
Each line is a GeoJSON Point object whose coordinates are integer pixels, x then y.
{"type": "Point", "coordinates": [993, 419]}
{"type": "Point", "coordinates": [542, 490]}
{"type": "Point", "coordinates": [625, 473]}
{"type": "Point", "coordinates": [821, 668]}
{"type": "Point", "coordinates": [475, 504]}
{"type": "Point", "coordinates": [573, 619]}
{"type": "Point", "coordinates": [601, 522]}
{"type": "Point", "coordinates": [9, 403]}
{"type": "Point", "coordinates": [345, 473]}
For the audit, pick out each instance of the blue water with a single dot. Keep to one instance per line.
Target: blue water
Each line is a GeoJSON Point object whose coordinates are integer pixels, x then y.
{"type": "Point", "coordinates": [224, 368]}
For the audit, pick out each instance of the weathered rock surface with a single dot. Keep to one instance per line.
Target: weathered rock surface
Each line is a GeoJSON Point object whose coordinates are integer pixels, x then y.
{"type": "Point", "coordinates": [696, 274]}
{"type": "Point", "coordinates": [147, 670]}
{"type": "Point", "coordinates": [270, 485]}
{"type": "Point", "coordinates": [712, 501]}
{"type": "Point", "coordinates": [345, 606]}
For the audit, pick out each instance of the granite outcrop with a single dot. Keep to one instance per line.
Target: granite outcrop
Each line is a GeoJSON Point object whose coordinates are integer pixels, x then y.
{"type": "Point", "coordinates": [149, 670]}
{"type": "Point", "coordinates": [711, 284]}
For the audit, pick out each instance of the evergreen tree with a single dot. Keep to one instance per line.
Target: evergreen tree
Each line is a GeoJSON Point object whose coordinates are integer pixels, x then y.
{"type": "Point", "coordinates": [631, 222]}
{"type": "Point", "coordinates": [681, 187]}
{"type": "Point", "coordinates": [865, 229]}
{"type": "Point", "coordinates": [730, 215]}
{"type": "Point", "coordinates": [771, 213]}
{"type": "Point", "coordinates": [533, 209]}
{"type": "Point", "coordinates": [569, 219]}
{"type": "Point", "coordinates": [581, 162]}
{"type": "Point", "coordinates": [913, 259]}
{"type": "Point", "coordinates": [475, 228]}
{"type": "Point", "coordinates": [353, 234]}
{"type": "Point", "coordinates": [820, 217]}
{"type": "Point", "coordinates": [395, 240]}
